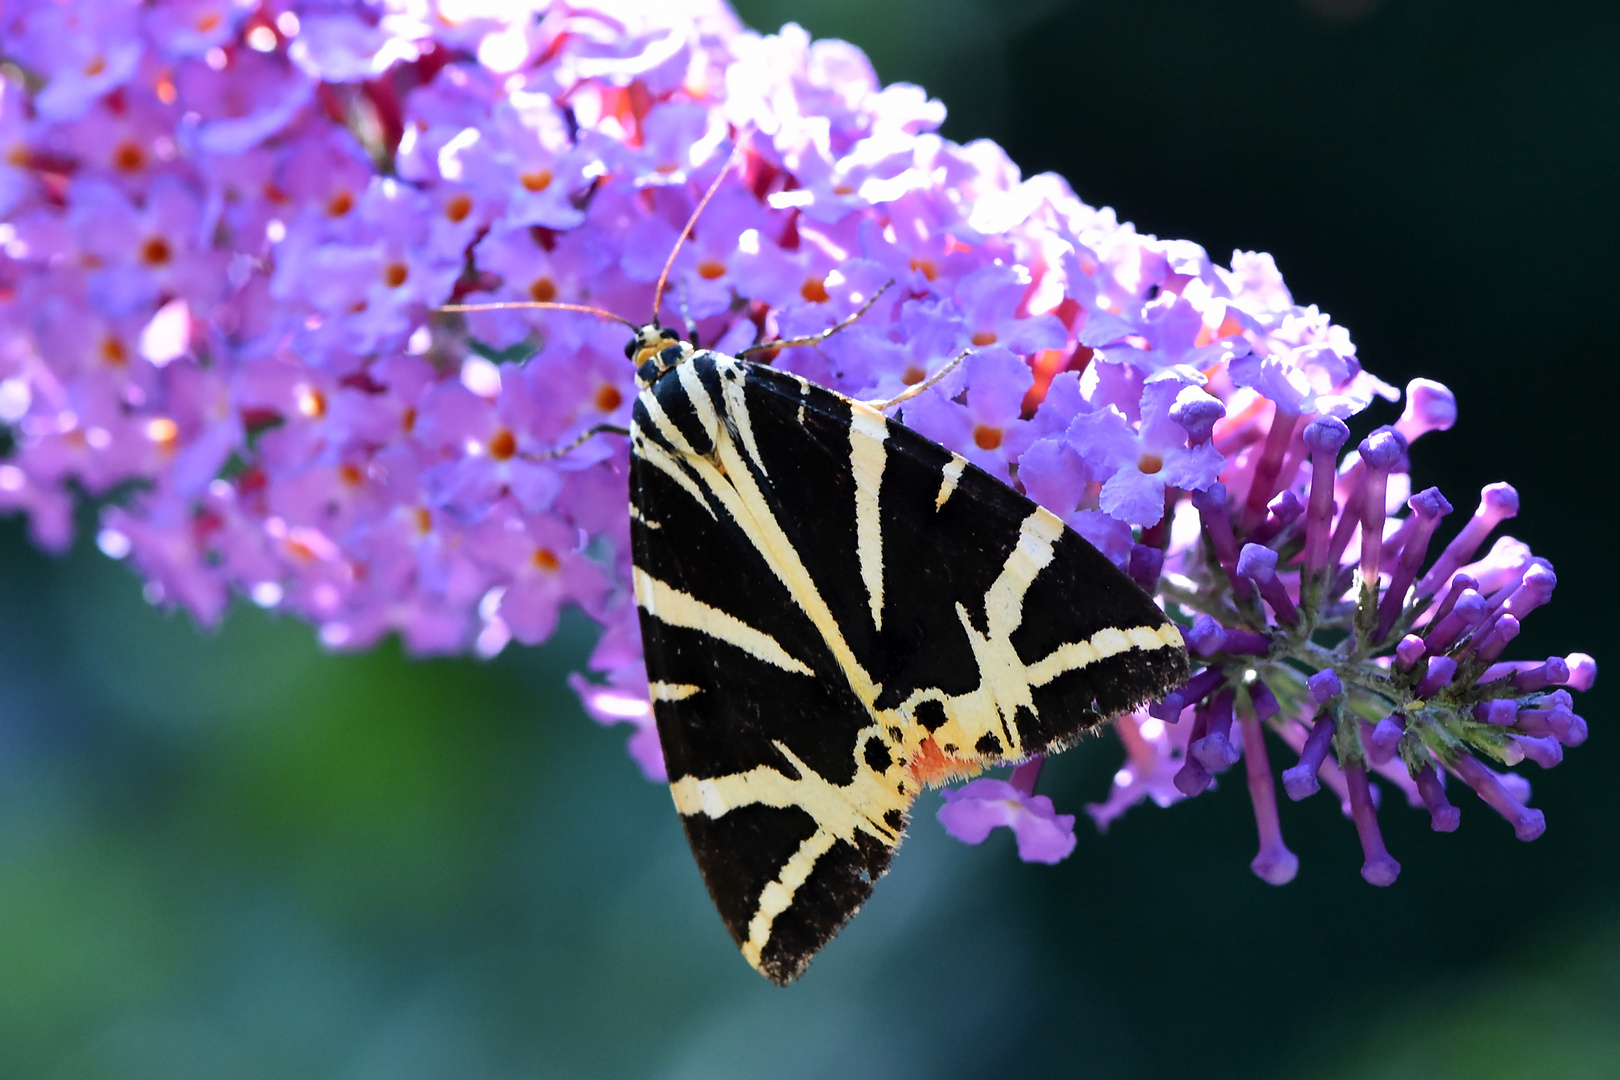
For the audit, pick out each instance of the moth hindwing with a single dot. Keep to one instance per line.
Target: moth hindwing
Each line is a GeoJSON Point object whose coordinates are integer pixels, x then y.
{"type": "Point", "coordinates": [836, 612]}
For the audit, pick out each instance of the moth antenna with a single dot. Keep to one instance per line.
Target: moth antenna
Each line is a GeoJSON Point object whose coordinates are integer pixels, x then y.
{"type": "Point", "coordinates": [585, 437]}
{"type": "Point", "coordinates": [544, 304]}
{"type": "Point", "coordinates": [817, 339]}
{"type": "Point", "coordinates": [686, 317]}
{"type": "Point", "coordinates": [669, 264]}
{"type": "Point", "coordinates": [912, 391]}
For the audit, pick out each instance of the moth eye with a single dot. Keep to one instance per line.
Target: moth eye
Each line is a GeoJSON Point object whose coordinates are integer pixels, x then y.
{"type": "Point", "coordinates": [630, 350]}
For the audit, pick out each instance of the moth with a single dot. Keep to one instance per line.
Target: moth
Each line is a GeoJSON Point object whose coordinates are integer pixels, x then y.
{"type": "Point", "coordinates": [838, 612]}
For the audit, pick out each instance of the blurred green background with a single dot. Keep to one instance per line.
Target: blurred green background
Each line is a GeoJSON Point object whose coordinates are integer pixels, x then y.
{"type": "Point", "coordinates": [231, 856]}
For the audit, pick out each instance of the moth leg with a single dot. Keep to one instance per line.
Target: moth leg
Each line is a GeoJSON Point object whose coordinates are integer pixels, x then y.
{"type": "Point", "coordinates": [816, 339]}
{"type": "Point", "coordinates": [912, 391]}
{"type": "Point", "coordinates": [587, 436]}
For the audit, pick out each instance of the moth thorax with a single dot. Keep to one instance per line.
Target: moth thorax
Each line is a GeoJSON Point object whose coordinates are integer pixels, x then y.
{"type": "Point", "coordinates": [655, 350]}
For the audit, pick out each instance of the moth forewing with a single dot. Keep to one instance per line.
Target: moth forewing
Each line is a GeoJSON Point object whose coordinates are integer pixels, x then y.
{"type": "Point", "coordinates": [850, 612]}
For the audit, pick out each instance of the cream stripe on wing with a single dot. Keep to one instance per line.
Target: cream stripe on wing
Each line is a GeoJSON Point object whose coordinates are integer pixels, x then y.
{"type": "Point", "coordinates": [1104, 643]}
{"type": "Point", "coordinates": [867, 458]}
{"type": "Point", "coordinates": [674, 608]}
{"type": "Point", "coordinates": [776, 897]}
{"type": "Point", "coordinates": [948, 478]}
{"type": "Point", "coordinates": [737, 407]}
{"type": "Point", "coordinates": [1004, 603]}
{"type": "Point", "coordinates": [664, 691]}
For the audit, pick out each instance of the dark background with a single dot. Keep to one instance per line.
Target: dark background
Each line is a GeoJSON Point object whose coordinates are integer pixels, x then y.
{"type": "Point", "coordinates": [229, 855]}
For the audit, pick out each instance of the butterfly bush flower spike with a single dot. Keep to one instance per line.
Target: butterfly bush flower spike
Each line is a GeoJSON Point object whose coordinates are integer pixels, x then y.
{"type": "Point", "coordinates": [226, 234]}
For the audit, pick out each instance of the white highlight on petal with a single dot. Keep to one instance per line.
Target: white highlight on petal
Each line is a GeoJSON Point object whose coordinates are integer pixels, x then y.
{"type": "Point", "coordinates": [113, 544]}
{"type": "Point", "coordinates": [168, 335]}
{"type": "Point", "coordinates": [481, 377]}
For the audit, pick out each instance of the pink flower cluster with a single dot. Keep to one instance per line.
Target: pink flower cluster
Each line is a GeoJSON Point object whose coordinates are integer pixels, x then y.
{"type": "Point", "coordinates": [226, 226]}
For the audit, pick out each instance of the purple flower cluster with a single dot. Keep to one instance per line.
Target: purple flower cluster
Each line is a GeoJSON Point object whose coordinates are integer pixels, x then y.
{"type": "Point", "coordinates": [226, 229]}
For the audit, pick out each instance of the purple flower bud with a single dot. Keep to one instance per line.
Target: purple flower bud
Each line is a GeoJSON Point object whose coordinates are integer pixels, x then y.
{"type": "Point", "coordinates": [1301, 780]}
{"type": "Point", "coordinates": [1378, 867]}
{"type": "Point", "coordinates": [1575, 734]}
{"type": "Point", "coordinates": [1325, 435]}
{"type": "Point", "coordinates": [1211, 506]}
{"type": "Point", "coordinates": [1497, 711]}
{"type": "Point", "coordinates": [1428, 507]}
{"type": "Point", "coordinates": [1196, 411]}
{"type": "Point", "coordinates": [1206, 637]}
{"type": "Point", "coordinates": [1527, 823]}
{"type": "Point", "coordinates": [1192, 778]}
{"type": "Point", "coordinates": [1543, 750]}
{"type": "Point", "coordinates": [1386, 738]}
{"type": "Point", "coordinates": [1382, 449]}
{"type": "Point", "coordinates": [1145, 566]}
{"type": "Point", "coordinates": [1170, 709]}
{"type": "Point", "coordinates": [1497, 503]}
{"type": "Point", "coordinates": [1490, 646]}
{"type": "Point", "coordinates": [1436, 677]}
{"type": "Point", "coordinates": [1460, 584]}
{"type": "Point", "coordinates": [1324, 684]}
{"type": "Point", "coordinates": [1214, 750]}
{"type": "Point", "coordinates": [1430, 406]}
{"type": "Point", "coordinates": [1443, 817]}
{"type": "Point", "coordinates": [1380, 452]}
{"type": "Point", "coordinates": [1463, 617]}
{"type": "Point", "coordinates": [1554, 671]}
{"type": "Point", "coordinates": [1259, 564]}
{"type": "Point", "coordinates": [1284, 510]}
{"type": "Point", "coordinates": [1265, 702]}
{"type": "Point", "coordinates": [1408, 652]}
{"type": "Point", "coordinates": [1582, 671]}
{"type": "Point", "coordinates": [1274, 864]}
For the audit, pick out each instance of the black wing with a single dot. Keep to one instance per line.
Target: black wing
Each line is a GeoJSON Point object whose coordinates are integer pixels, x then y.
{"type": "Point", "coordinates": [836, 611]}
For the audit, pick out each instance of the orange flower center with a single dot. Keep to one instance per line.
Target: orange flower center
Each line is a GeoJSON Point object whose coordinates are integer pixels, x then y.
{"type": "Point", "coordinates": [608, 398]}
{"type": "Point", "coordinates": [913, 375]}
{"type": "Point", "coordinates": [982, 338]}
{"type": "Point", "coordinates": [925, 266]}
{"type": "Point", "coordinates": [543, 290]}
{"type": "Point", "coordinates": [546, 560]}
{"type": "Point", "coordinates": [986, 437]}
{"type": "Point", "coordinates": [396, 274]}
{"type": "Point", "coordinates": [339, 204]}
{"type": "Point", "coordinates": [156, 251]}
{"type": "Point", "coordinates": [536, 181]}
{"type": "Point", "coordinates": [128, 157]}
{"type": "Point", "coordinates": [458, 208]}
{"type": "Point", "coordinates": [711, 269]}
{"type": "Point", "coordinates": [1150, 464]}
{"type": "Point", "coordinates": [503, 445]}
{"type": "Point", "coordinates": [113, 351]}
{"type": "Point", "coordinates": [814, 290]}
{"type": "Point", "coordinates": [350, 474]}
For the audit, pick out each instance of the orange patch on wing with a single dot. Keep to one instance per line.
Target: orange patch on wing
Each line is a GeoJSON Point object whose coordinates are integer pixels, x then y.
{"type": "Point", "coordinates": [932, 766]}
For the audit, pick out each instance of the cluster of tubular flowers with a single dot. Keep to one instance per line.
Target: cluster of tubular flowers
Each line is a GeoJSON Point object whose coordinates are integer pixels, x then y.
{"type": "Point", "coordinates": [227, 228]}
{"type": "Point", "coordinates": [1317, 613]}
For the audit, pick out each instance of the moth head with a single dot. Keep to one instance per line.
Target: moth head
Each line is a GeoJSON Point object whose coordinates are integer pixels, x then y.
{"type": "Point", "coordinates": [655, 350]}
